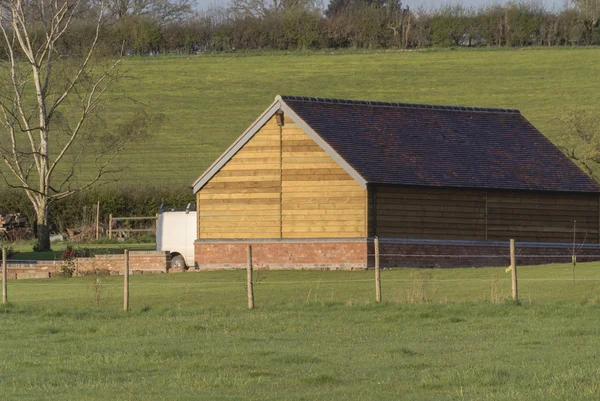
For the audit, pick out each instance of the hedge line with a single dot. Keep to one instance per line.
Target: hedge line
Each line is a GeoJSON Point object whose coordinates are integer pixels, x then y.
{"type": "Point", "coordinates": [80, 209]}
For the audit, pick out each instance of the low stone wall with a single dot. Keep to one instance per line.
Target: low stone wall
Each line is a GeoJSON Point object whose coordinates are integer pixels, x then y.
{"type": "Point", "coordinates": [333, 254]}
{"type": "Point", "coordinates": [19, 270]}
{"type": "Point", "coordinates": [140, 262]}
{"type": "Point", "coordinates": [358, 253]}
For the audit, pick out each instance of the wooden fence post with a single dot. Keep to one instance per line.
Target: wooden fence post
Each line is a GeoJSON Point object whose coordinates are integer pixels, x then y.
{"type": "Point", "coordinates": [4, 278]}
{"type": "Point", "coordinates": [126, 282]}
{"type": "Point", "coordinates": [513, 271]}
{"type": "Point", "coordinates": [110, 226]}
{"type": "Point", "coordinates": [249, 283]}
{"type": "Point", "coordinates": [98, 221]}
{"type": "Point", "coordinates": [377, 272]}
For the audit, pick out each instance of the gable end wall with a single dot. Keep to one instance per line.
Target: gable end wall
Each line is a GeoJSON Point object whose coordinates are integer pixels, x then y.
{"type": "Point", "coordinates": [281, 184]}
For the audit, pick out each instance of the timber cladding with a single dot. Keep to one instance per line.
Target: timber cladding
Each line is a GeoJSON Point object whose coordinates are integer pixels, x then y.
{"type": "Point", "coordinates": [437, 213]}
{"type": "Point", "coordinates": [319, 199]}
{"type": "Point", "coordinates": [243, 199]}
{"type": "Point", "coordinates": [281, 184]}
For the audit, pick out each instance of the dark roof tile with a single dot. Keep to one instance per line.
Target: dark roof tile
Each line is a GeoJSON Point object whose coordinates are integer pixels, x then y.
{"type": "Point", "coordinates": [449, 146]}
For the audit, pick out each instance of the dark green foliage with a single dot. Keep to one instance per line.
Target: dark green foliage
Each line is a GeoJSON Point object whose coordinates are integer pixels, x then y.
{"type": "Point", "coordinates": [378, 24]}
{"type": "Point", "coordinates": [80, 209]}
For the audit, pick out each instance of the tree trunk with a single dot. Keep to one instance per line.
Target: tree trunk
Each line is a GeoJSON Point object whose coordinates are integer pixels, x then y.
{"type": "Point", "coordinates": [43, 230]}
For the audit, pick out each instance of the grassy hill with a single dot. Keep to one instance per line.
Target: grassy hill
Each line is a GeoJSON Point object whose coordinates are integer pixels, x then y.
{"type": "Point", "coordinates": [208, 101]}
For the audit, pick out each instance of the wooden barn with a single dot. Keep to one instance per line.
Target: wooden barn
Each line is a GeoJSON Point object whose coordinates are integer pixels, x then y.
{"type": "Point", "coordinates": [313, 180]}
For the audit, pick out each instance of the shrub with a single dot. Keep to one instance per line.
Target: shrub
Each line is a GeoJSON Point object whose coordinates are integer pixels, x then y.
{"type": "Point", "coordinates": [67, 265]}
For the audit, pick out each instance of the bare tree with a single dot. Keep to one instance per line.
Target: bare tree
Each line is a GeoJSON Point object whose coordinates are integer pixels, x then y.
{"type": "Point", "coordinates": [590, 13]}
{"type": "Point", "coordinates": [260, 8]}
{"type": "Point", "coordinates": [161, 10]}
{"type": "Point", "coordinates": [51, 105]}
{"type": "Point", "coordinates": [581, 139]}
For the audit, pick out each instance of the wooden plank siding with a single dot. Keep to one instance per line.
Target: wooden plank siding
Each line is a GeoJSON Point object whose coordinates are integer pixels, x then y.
{"type": "Point", "coordinates": [319, 199]}
{"type": "Point", "coordinates": [542, 217]}
{"type": "Point", "coordinates": [430, 213]}
{"type": "Point", "coordinates": [243, 199]}
{"type": "Point", "coordinates": [281, 184]}
{"type": "Point", "coordinates": [479, 215]}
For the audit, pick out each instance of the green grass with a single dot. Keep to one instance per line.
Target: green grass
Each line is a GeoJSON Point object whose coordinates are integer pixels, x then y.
{"type": "Point", "coordinates": [24, 249]}
{"type": "Point", "coordinates": [313, 335]}
{"type": "Point", "coordinates": [209, 101]}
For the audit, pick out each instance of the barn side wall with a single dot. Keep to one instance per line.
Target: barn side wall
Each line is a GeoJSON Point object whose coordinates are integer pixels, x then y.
{"type": "Point", "coordinates": [461, 214]}
{"type": "Point", "coordinates": [281, 184]}
{"type": "Point", "coordinates": [543, 217]}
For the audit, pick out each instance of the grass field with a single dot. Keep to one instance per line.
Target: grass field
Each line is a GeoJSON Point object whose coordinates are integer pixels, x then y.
{"type": "Point", "coordinates": [208, 101]}
{"type": "Point", "coordinates": [313, 336]}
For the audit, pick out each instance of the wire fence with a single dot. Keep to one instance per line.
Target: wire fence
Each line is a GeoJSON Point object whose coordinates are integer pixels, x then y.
{"type": "Point", "coordinates": [565, 280]}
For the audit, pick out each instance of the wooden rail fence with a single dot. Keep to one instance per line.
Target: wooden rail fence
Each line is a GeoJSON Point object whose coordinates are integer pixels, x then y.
{"type": "Point", "coordinates": [112, 230]}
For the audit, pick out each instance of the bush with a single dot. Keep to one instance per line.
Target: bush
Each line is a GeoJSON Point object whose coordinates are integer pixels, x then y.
{"type": "Point", "coordinates": [67, 265]}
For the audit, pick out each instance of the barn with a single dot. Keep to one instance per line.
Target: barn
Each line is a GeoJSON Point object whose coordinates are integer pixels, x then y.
{"type": "Point", "coordinates": [312, 181]}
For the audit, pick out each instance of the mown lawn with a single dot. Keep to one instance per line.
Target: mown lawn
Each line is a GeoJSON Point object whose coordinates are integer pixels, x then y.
{"type": "Point", "coordinates": [439, 335]}
{"type": "Point", "coordinates": [209, 100]}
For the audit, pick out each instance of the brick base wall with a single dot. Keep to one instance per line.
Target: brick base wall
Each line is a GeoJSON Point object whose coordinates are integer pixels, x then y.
{"type": "Point", "coordinates": [338, 254]}
{"type": "Point", "coordinates": [140, 262]}
{"type": "Point", "coordinates": [354, 254]}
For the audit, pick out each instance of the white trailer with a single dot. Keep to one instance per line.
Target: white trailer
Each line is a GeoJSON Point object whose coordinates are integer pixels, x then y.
{"type": "Point", "coordinates": [176, 233]}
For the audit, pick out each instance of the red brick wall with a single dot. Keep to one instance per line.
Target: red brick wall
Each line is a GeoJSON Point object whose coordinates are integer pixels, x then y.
{"type": "Point", "coordinates": [359, 253]}
{"type": "Point", "coordinates": [282, 254]}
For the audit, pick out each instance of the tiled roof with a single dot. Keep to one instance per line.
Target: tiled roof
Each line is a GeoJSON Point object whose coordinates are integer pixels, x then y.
{"type": "Point", "coordinates": [441, 146]}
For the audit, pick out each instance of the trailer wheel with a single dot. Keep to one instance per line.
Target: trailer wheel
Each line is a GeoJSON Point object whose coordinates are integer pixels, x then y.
{"type": "Point", "coordinates": [178, 262]}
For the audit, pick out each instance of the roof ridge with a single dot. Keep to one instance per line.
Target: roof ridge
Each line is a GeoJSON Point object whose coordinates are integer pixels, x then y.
{"type": "Point", "coordinates": [398, 105]}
